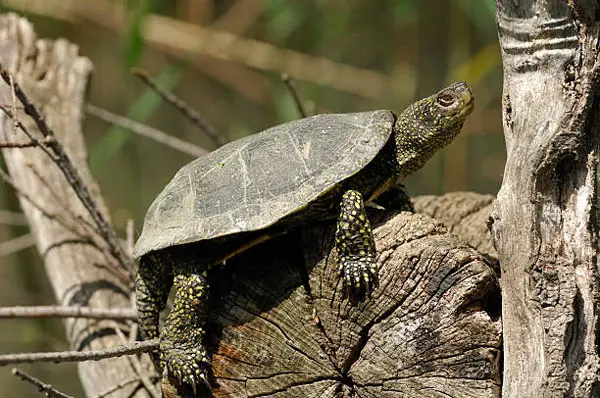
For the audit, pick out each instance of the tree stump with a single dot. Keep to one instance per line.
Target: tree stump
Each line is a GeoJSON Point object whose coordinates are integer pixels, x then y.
{"type": "Point", "coordinates": [282, 324]}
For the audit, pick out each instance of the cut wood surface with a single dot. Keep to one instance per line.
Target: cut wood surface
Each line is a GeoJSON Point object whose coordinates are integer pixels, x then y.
{"type": "Point", "coordinates": [430, 328]}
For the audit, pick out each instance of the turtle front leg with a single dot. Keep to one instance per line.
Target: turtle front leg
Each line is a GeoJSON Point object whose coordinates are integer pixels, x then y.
{"type": "Point", "coordinates": [152, 286]}
{"type": "Point", "coordinates": [354, 243]}
{"type": "Point", "coordinates": [181, 346]}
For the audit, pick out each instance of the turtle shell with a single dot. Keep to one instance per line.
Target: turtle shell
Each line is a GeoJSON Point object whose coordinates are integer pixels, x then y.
{"type": "Point", "coordinates": [252, 183]}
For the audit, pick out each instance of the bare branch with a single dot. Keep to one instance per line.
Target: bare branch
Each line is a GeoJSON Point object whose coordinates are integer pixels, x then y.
{"type": "Point", "coordinates": [130, 236]}
{"type": "Point", "coordinates": [135, 362]}
{"type": "Point", "coordinates": [17, 144]}
{"type": "Point", "coordinates": [14, 105]}
{"type": "Point", "coordinates": [83, 236]}
{"type": "Point", "coordinates": [56, 77]}
{"type": "Point", "coordinates": [13, 218]}
{"type": "Point", "coordinates": [289, 83]}
{"type": "Point", "coordinates": [181, 106]}
{"type": "Point", "coordinates": [32, 138]}
{"type": "Point", "coordinates": [54, 311]}
{"type": "Point", "coordinates": [56, 197]}
{"type": "Point", "coordinates": [146, 131]}
{"type": "Point", "coordinates": [136, 347]}
{"type": "Point", "coordinates": [63, 161]}
{"type": "Point", "coordinates": [188, 40]}
{"type": "Point", "coordinates": [17, 244]}
{"type": "Point", "coordinates": [47, 389]}
{"type": "Point", "coordinates": [6, 178]}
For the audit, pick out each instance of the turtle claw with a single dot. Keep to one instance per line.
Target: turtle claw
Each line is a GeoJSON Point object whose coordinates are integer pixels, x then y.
{"type": "Point", "coordinates": [205, 382]}
{"type": "Point", "coordinates": [188, 366]}
{"type": "Point", "coordinates": [359, 274]}
{"type": "Point", "coordinates": [190, 380]}
{"type": "Point", "coordinates": [193, 380]}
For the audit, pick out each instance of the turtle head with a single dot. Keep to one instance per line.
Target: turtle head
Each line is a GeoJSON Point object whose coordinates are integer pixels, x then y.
{"type": "Point", "coordinates": [430, 124]}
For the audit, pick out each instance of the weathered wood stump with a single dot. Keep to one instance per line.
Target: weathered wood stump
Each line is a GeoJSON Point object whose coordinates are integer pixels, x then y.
{"type": "Point", "coordinates": [286, 328]}
{"type": "Point", "coordinates": [467, 215]}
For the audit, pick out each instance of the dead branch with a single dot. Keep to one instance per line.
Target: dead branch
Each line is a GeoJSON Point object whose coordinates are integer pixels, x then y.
{"type": "Point", "coordinates": [83, 236]}
{"type": "Point", "coordinates": [69, 220]}
{"type": "Point", "coordinates": [16, 244]}
{"type": "Point", "coordinates": [57, 153]}
{"type": "Point", "coordinates": [136, 347]}
{"type": "Point", "coordinates": [185, 39]}
{"type": "Point", "coordinates": [80, 274]}
{"type": "Point", "coordinates": [117, 387]}
{"type": "Point", "coordinates": [17, 144]}
{"type": "Point", "coordinates": [135, 362]}
{"type": "Point", "coordinates": [182, 107]}
{"type": "Point", "coordinates": [92, 229]}
{"type": "Point", "coordinates": [13, 218]}
{"type": "Point", "coordinates": [48, 390]}
{"type": "Point", "coordinates": [54, 311]}
{"type": "Point", "coordinates": [146, 131]}
{"type": "Point", "coordinates": [291, 86]}
{"type": "Point", "coordinates": [545, 219]}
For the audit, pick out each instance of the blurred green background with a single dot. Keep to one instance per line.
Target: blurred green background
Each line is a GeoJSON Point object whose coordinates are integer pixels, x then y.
{"type": "Point", "coordinates": [344, 56]}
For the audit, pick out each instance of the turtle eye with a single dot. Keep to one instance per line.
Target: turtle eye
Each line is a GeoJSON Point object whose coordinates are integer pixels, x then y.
{"type": "Point", "coordinates": [446, 99]}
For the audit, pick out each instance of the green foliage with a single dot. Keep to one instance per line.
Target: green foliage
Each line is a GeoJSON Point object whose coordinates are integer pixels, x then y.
{"type": "Point", "coordinates": [481, 17]}
{"type": "Point", "coordinates": [405, 11]}
{"type": "Point", "coordinates": [134, 46]}
{"type": "Point", "coordinates": [284, 17]}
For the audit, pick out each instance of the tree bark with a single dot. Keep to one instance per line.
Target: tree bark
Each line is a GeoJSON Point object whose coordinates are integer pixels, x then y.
{"type": "Point", "coordinates": [545, 220]}
{"type": "Point", "coordinates": [55, 78]}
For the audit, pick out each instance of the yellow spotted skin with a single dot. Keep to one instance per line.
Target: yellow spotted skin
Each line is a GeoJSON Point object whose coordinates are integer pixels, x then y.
{"type": "Point", "coordinates": [152, 286]}
{"type": "Point", "coordinates": [428, 125]}
{"type": "Point", "coordinates": [354, 243]}
{"type": "Point", "coordinates": [418, 133]}
{"type": "Point", "coordinates": [182, 353]}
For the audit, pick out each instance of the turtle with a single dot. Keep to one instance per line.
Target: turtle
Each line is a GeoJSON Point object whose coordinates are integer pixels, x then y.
{"type": "Point", "coordinates": [299, 173]}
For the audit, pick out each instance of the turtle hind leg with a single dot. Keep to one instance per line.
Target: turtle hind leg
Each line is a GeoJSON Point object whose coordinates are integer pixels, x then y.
{"type": "Point", "coordinates": [152, 286]}
{"type": "Point", "coordinates": [181, 344]}
{"type": "Point", "coordinates": [355, 244]}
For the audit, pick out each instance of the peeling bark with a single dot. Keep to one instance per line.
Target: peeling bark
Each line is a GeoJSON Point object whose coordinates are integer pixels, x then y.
{"type": "Point", "coordinates": [545, 224]}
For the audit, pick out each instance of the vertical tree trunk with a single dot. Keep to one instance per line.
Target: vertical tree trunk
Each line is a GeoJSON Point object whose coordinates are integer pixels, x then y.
{"type": "Point", "coordinates": [545, 223]}
{"type": "Point", "coordinates": [55, 77]}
